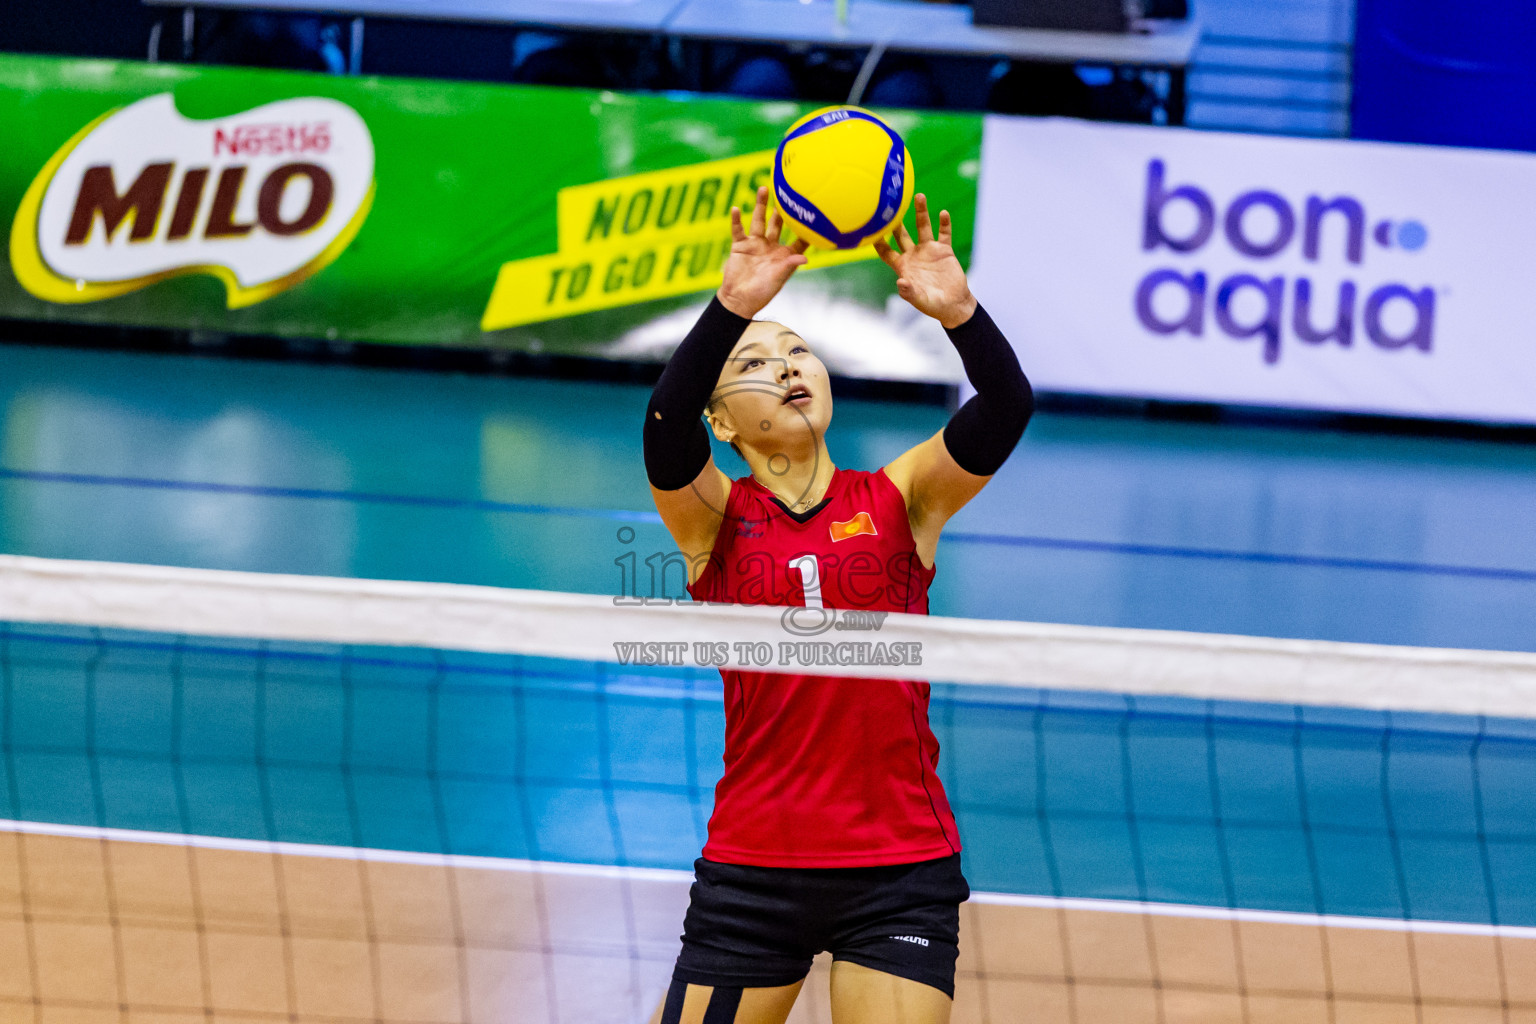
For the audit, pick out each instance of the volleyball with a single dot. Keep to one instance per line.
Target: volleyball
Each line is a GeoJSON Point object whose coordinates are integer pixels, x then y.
{"type": "Point", "coordinates": [842, 177]}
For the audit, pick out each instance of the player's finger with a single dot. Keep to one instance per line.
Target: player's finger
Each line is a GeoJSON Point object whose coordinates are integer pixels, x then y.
{"type": "Point", "coordinates": [884, 251]}
{"type": "Point", "coordinates": [798, 246]}
{"type": "Point", "coordinates": [924, 224]}
{"type": "Point", "coordinates": [737, 234]}
{"type": "Point", "coordinates": [760, 211]}
{"type": "Point", "coordinates": [903, 238]}
{"type": "Point", "coordinates": [775, 226]}
{"type": "Point", "coordinates": [944, 227]}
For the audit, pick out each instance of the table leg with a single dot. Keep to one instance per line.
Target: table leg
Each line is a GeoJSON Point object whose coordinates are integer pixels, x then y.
{"type": "Point", "coordinates": [355, 58]}
{"type": "Point", "coordinates": [1177, 102]}
{"type": "Point", "coordinates": [866, 72]}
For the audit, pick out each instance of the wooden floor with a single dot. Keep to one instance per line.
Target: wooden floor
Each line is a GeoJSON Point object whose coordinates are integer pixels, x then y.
{"type": "Point", "coordinates": [99, 929]}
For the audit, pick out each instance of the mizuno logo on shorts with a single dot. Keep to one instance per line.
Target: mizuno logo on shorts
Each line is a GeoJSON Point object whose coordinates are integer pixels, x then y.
{"type": "Point", "coordinates": [910, 938]}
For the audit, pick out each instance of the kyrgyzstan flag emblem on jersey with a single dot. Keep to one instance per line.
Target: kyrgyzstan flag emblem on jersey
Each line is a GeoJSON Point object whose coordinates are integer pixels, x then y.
{"type": "Point", "coordinates": [859, 524]}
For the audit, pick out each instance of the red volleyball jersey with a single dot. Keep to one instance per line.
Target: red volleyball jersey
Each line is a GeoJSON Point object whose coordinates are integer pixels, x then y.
{"type": "Point", "coordinates": [825, 771]}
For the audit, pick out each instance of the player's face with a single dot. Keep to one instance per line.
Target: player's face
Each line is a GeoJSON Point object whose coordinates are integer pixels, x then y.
{"type": "Point", "coordinates": [773, 391]}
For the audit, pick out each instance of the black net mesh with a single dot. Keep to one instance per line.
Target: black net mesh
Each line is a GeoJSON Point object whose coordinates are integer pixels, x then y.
{"type": "Point", "coordinates": [266, 830]}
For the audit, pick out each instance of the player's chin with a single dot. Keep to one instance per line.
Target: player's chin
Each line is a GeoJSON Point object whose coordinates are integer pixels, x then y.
{"type": "Point", "coordinates": [814, 415]}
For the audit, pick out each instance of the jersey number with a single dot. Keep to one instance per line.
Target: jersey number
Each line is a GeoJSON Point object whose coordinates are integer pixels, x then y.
{"type": "Point", "coordinates": [810, 579]}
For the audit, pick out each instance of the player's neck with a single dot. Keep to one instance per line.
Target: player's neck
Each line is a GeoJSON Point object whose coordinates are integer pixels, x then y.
{"type": "Point", "coordinates": [800, 483]}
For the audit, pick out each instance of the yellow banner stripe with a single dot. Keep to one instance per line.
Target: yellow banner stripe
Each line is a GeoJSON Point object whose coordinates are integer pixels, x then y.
{"type": "Point", "coordinates": [635, 239]}
{"type": "Point", "coordinates": [678, 199]}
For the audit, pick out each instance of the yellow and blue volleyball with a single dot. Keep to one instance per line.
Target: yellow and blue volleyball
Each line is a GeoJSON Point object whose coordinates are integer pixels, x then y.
{"type": "Point", "coordinates": [842, 178]}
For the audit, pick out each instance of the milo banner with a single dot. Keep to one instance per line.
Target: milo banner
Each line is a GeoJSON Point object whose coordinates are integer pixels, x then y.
{"type": "Point", "coordinates": [427, 213]}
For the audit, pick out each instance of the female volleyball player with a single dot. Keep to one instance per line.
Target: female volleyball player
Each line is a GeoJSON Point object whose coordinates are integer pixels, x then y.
{"type": "Point", "coordinates": [830, 830]}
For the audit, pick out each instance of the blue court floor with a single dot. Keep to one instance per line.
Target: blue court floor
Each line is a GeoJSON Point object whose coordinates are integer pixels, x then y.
{"type": "Point", "coordinates": [525, 483]}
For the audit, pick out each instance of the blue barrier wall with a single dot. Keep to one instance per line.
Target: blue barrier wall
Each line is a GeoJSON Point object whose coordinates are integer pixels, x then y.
{"type": "Point", "coordinates": [1457, 74]}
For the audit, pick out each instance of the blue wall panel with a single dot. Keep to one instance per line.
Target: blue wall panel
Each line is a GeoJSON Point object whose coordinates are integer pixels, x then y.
{"type": "Point", "coordinates": [1436, 71]}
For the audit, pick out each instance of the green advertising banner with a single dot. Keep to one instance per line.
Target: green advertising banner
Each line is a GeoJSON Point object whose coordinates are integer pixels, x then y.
{"type": "Point", "coordinates": [423, 212]}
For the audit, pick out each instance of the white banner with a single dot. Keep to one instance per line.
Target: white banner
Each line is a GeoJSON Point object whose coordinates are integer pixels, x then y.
{"type": "Point", "coordinates": [1353, 276]}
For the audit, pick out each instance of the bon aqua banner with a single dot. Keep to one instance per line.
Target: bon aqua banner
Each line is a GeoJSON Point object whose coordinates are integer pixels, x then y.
{"type": "Point", "coordinates": [418, 212]}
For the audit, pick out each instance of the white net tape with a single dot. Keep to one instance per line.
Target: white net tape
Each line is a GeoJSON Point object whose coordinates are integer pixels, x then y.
{"type": "Point", "coordinates": [597, 628]}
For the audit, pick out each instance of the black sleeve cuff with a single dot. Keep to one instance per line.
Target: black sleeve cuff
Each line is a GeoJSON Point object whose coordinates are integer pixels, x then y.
{"type": "Point", "coordinates": [984, 431]}
{"type": "Point", "coordinates": [675, 441]}
{"type": "Point", "coordinates": [717, 321]}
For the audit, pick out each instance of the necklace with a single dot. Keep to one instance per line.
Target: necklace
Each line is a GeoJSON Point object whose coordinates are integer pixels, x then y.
{"type": "Point", "coordinates": [804, 503]}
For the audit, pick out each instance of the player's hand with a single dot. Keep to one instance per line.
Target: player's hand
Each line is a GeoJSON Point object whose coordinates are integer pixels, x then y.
{"type": "Point", "coordinates": [759, 263]}
{"type": "Point", "coordinates": [928, 273]}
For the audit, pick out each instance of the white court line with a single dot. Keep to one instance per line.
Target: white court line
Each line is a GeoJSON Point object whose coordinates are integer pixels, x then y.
{"type": "Point", "coordinates": [124, 835]}
{"type": "Point", "coordinates": [667, 875]}
{"type": "Point", "coordinates": [1384, 924]}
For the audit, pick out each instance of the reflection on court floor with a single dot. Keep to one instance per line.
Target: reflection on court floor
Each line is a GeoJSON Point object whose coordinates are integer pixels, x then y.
{"type": "Point", "coordinates": [386, 474]}
{"type": "Point", "coordinates": [98, 926]}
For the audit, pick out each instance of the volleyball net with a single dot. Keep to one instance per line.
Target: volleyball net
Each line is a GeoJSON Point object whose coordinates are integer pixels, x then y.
{"type": "Point", "coordinates": [260, 797]}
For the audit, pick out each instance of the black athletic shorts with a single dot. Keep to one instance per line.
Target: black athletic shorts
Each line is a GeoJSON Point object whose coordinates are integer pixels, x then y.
{"type": "Point", "coordinates": [752, 927]}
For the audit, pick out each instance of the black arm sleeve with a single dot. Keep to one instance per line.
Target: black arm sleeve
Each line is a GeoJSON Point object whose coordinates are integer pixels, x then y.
{"type": "Point", "coordinates": [983, 432]}
{"type": "Point", "coordinates": [676, 443]}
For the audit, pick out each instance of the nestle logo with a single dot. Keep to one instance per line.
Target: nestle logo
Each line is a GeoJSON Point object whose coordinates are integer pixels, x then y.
{"type": "Point", "coordinates": [1259, 225]}
{"type": "Point", "coordinates": [272, 139]}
